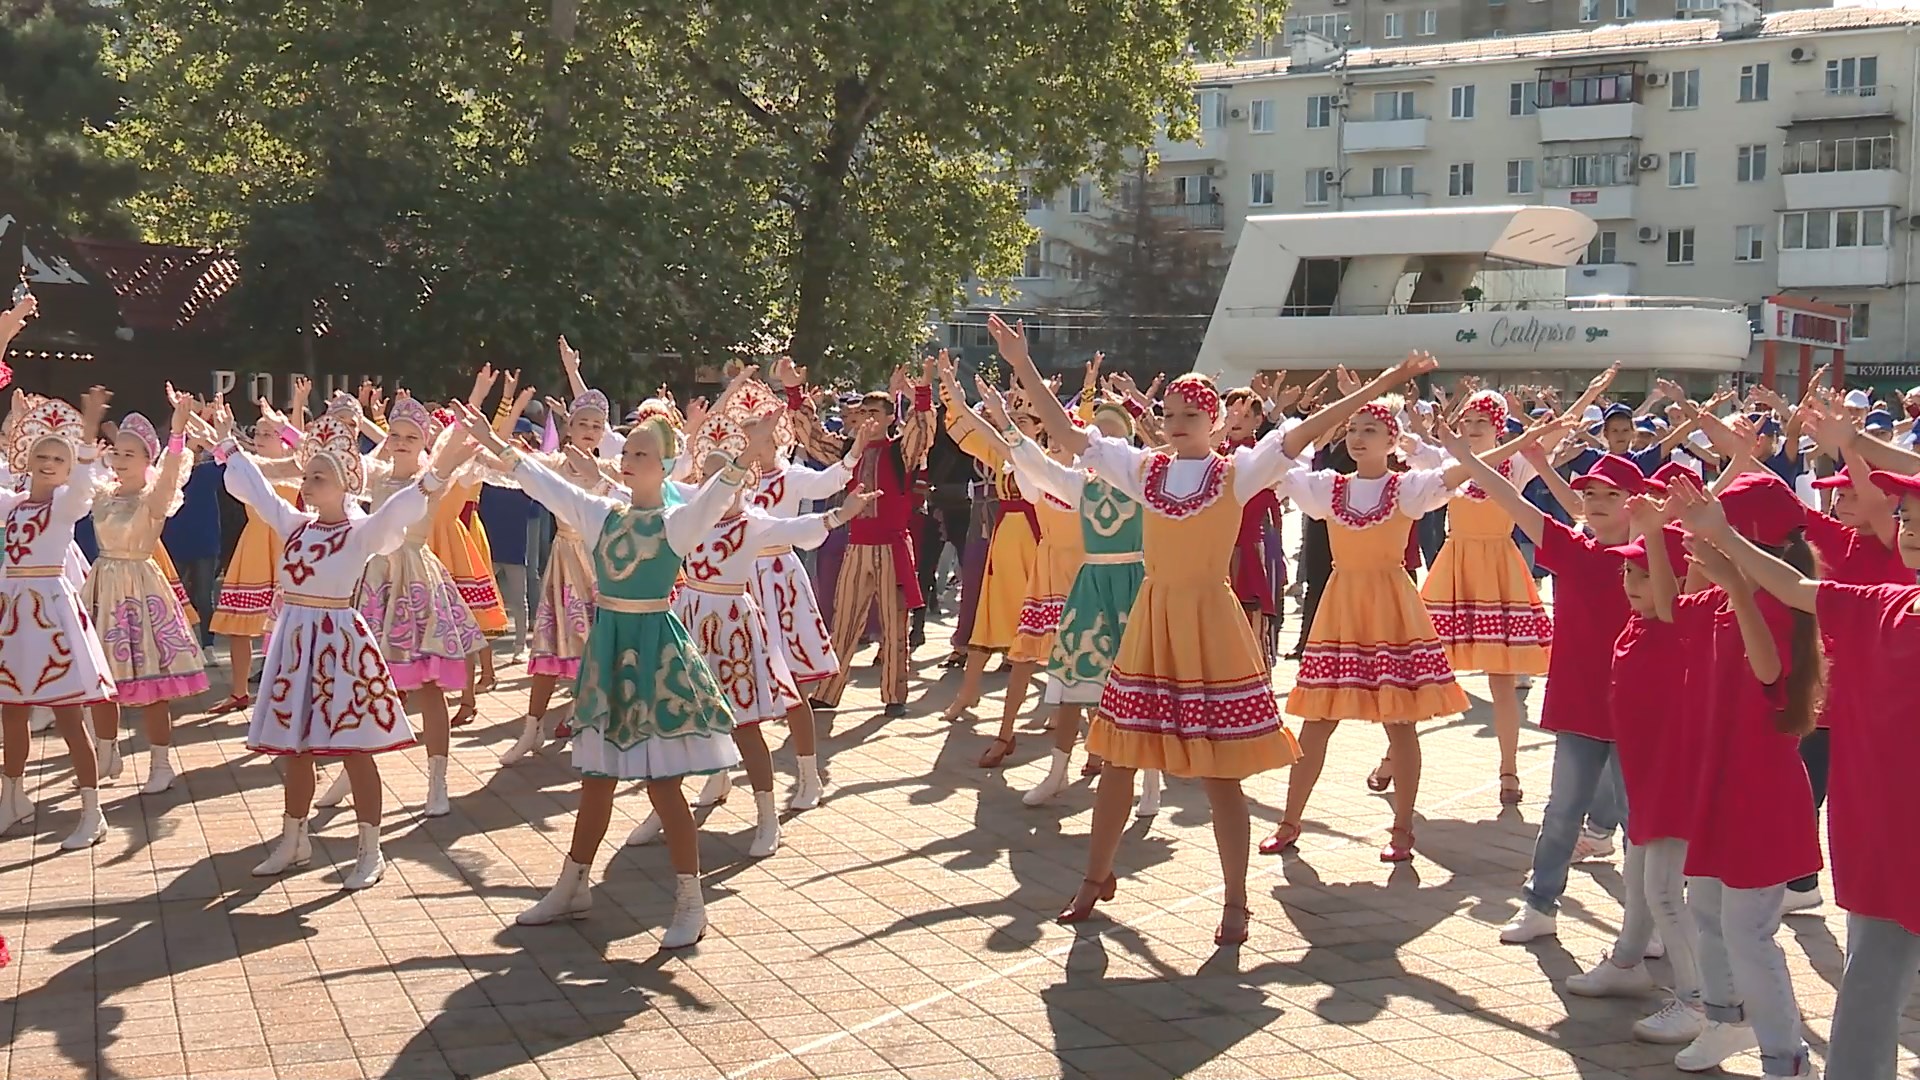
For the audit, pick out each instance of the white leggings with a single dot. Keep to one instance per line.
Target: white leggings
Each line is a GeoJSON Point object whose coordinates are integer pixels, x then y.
{"type": "Point", "coordinates": [1657, 898]}
{"type": "Point", "coordinates": [1742, 970]}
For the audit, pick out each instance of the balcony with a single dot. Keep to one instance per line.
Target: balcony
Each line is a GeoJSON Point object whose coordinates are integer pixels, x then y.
{"type": "Point", "coordinates": [1834, 190]}
{"type": "Point", "coordinates": [1211, 145]}
{"type": "Point", "coordinates": [1843, 103]}
{"type": "Point", "coordinates": [1203, 217]}
{"type": "Point", "coordinates": [1407, 200]}
{"type": "Point", "coordinates": [1836, 267]}
{"type": "Point", "coordinates": [1368, 136]}
{"type": "Point", "coordinates": [1611, 203]}
{"type": "Point", "coordinates": [1601, 279]}
{"type": "Point", "coordinates": [1579, 123]}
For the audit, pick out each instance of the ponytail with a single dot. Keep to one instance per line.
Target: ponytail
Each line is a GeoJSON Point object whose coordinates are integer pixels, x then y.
{"type": "Point", "coordinates": [1806, 674]}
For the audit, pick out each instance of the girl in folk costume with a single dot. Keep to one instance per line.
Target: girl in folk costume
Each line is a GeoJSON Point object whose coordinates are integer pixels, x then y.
{"type": "Point", "coordinates": [1485, 608]}
{"type": "Point", "coordinates": [1011, 557]}
{"type": "Point", "coordinates": [1099, 601]}
{"type": "Point", "coordinates": [1372, 653]}
{"type": "Point", "coordinates": [408, 599]}
{"type": "Point", "coordinates": [240, 613]}
{"type": "Point", "coordinates": [647, 707]}
{"type": "Point", "coordinates": [1244, 409]}
{"type": "Point", "coordinates": [148, 640]}
{"type": "Point", "coordinates": [1188, 692]}
{"type": "Point", "coordinates": [460, 543]}
{"type": "Point", "coordinates": [716, 604]}
{"type": "Point", "coordinates": [326, 690]}
{"type": "Point", "coordinates": [50, 655]}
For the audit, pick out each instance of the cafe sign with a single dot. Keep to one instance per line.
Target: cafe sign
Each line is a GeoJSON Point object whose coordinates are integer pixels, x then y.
{"type": "Point", "coordinates": [1531, 333]}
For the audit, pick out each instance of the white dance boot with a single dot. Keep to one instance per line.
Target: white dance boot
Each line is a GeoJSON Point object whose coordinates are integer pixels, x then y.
{"type": "Point", "coordinates": [807, 793]}
{"type": "Point", "coordinates": [689, 914]}
{"type": "Point", "coordinates": [337, 791]}
{"type": "Point", "coordinates": [715, 791]}
{"type": "Point", "coordinates": [294, 849]}
{"type": "Point", "coordinates": [1056, 780]}
{"type": "Point", "coordinates": [531, 733]}
{"type": "Point", "coordinates": [15, 807]}
{"type": "Point", "coordinates": [646, 832]}
{"type": "Point", "coordinates": [437, 804]}
{"type": "Point", "coordinates": [39, 720]}
{"type": "Point", "coordinates": [1149, 804]}
{"type": "Point", "coordinates": [766, 838]}
{"type": "Point", "coordinates": [160, 772]}
{"type": "Point", "coordinates": [371, 865]}
{"type": "Point", "coordinates": [93, 825]}
{"type": "Point", "coordinates": [106, 755]}
{"type": "Point", "coordinates": [570, 897]}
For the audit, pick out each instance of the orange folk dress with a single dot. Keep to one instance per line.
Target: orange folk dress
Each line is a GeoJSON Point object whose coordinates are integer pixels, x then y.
{"type": "Point", "coordinates": [1372, 653]}
{"type": "Point", "coordinates": [246, 589]}
{"type": "Point", "coordinates": [1486, 610]}
{"type": "Point", "coordinates": [1189, 692]}
{"type": "Point", "coordinates": [1055, 565]}
{"type": "Point", "coordinates": [165, 562]}
{"type": "Point", "coordinates": [471, 568]}
{"type": "Point", "coordinates": [1013, 551]}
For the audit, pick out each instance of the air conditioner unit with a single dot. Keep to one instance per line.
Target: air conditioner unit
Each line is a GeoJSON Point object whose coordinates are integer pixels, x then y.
{"type": "Point", "coordinates": [1656, 78]}
{"type": "Point", "coordinates": [1649, 234]}
{"type": "Point", "coordinates": [1648, 162]}
{"type": "Point", "coordinates": [1237, 113]}
{"type": "Point", "coordinates": [1800, 54]}
{"type": "Point", "coordinates": [1212, 170]}
{"type": "Point", "coordinates": [1326, 175]}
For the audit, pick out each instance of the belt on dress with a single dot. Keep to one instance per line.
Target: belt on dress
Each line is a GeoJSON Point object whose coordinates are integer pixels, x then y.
{"type": "Point", "coordinates": [717, 588]}
{"type": "Point", "coordinates": [623, 606]}
{"type": "Point", "coordinates": [1117, 558]}
{"type": "Point", "coordinates": [34, 571]}
{"type": "Point", "coordinates": [1025, 509]}
{"type": "Point", "coordinates": [772, 551]}
{"type": "Point", "coordinates": [330, 603]}
{"type": "Point", "coordinates": [130, 556]}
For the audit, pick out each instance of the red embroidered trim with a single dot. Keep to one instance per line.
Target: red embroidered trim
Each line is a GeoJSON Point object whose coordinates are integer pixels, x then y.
{"type": "Point", "coordinates": [1155, 487]}
{"type": "Point", "coordinates": [1343, 511]}
{"type": "Point", "coordinates": [1478, 494]}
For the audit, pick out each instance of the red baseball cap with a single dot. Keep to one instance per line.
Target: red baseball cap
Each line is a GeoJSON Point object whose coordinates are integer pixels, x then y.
{"type": "Point", "coordinates": [1665, 476]}
{"type": "Point", "coordinates": [1837, 480]}
{"type": "Point", "coordinates": [1761, 507]}
{"type": "Point", "coordinates": [1635, 551]}
{"type": "Point", "coordinates": [1895, 484]}
{"type": "Point", "coordinates": [1614, 471]}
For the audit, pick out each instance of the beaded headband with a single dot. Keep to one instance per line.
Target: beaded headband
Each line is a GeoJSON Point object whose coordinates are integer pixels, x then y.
{"type": "Point", "coordinates": [1381, 413]}
{"type": "Point", "coordinates": [1198, 393]}
{"type": "Point", "coordinates": [331, 440]}
{"type": "Point", "coordinates": [345, 406]}
{"type": "Point", "coordinates": [591, 401]}
{"type": "Point", "coordinates": [1491, 405]}
{"type": "Point", "coordinates": [141, 428]}
{"type": "Point", "coordinates": [408, 410]}
{"type": "Point", "coordinates": [49, 418]}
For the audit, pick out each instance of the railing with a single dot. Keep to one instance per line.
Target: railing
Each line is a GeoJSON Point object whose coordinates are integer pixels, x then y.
{"type": "Point", "coordinates": [1387, 119]}
{"type": "Point", "coordinates": [1206, 215]}
{"type": "Point", "coordinates": [1838, 155]}
{"type": "Point", "coordinates": [1462, 307]}
{"type": "Point", "coordinates": [1873, 100]}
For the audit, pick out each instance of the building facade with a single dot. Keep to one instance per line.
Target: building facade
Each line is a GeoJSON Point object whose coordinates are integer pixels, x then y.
{"type": "Point", "coordinates": [1391, 23]}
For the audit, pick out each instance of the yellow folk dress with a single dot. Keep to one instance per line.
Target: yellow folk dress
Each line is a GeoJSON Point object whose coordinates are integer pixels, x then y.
{"type": "Point", "coordinates": [1012, 552]}
{"type": "Point", "coordinates": [1056, 563]}
{"type": "Point", "coordinates": [1486, 610]}
{"type": "Point", "coordinates": [453, 543]}
{"type": "Point", "coordinates": [247, 588]}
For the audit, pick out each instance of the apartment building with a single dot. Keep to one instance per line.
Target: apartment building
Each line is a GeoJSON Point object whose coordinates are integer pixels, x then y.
{"type": "Point", "coordinates": [1734, 158]}
{"type": "Point", "coordinates": [1391, 23]}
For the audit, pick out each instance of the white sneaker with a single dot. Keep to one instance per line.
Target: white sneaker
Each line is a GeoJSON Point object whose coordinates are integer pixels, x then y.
{"type": "Point", "coordinates": [689, 914]}
{"type": "Point", "coordinates": [646, 832]}
{"type": "Point", "coordinates": [1053, 784]}
{"type": "Point", "coordinates": [1800, 901]}
{"type": "Point", "coordinates": [437, 804]}
{"type": "Point", "coordinates": [15, 806]}
{"type": "Point", "coordinates": [766, 837]}
{"type": "Point", "coordinates": [159, 770]}
{"type": "Point", "coordinates": [1592, 846]}
{"type": "Point", "coordinates": [106, 757]}
{"type": "Point", "coordinates": [1150, 785]}
{"type": "Point", "coordinates": [571, 897]}
{"type": "Point", "coordinates": [715, 791]}
{"type": "Point", "coordinates": [93, 825]}
{"type": "Point", "coordinates": [1676, 1024]}
{"type": "Point", "coordinates": [1523, 682]}
{"type": "Point", "coordinates": [808, 792]}
{"type": "Point", "coordinates": [370, 866]}
{"type": "Point", "coordinates": [1528, 924]}
{"type": "Point", "coordinates": [1804, 1071]}
{"type": "Point", "coordinates": [39, 720]}
{"type": "Point", "coordinates": [337, 791]}
{"type": "Point", "coordinates": [1608, 979]}
{"type": "Point", "coordinates": [1716, 1043]}
{"type": "Point", "coordinates": [529, 741]}
{"type": "Point", "coordinates": [294, 849]}
{"type": "Point", "coordinates": [1656, 949]}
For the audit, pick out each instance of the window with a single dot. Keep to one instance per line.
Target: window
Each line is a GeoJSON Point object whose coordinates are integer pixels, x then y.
{"type": "Point", "coordinates": [1394, 105]}
{"type": "Point", "coordinates": [1260, 188]}
{"type": "Point", "coordinates": [1080, 197]}
{"type": "Point", "coordinates": [1460, 179]}
{"type": "Point", "coordinates": [1462, 102]}
{"type": "Point", "coordinates": [1520, 98]}
{"type": "Point", "coordinates": [1396, 25]}
{"type": "Point", "coordinates": [1520, 176]}
{"type": "Point", "coordinates": [1393, 180]}
{"type": "Point", "coordinates": [1260, 116]}
{"type": "Point", "coordinates": [1747, 243]}
{"type": "Point", "coordinates": [1680, 247]}
{"type": "Point", "coordinates": [1857, 325]}
{"type": "Point", "coordinates": [1429, 22]}
{"type": "Point", "coordinates": [1625, 9]}
{"type": "Point", "coordinates": [1752, 164]}
{"type": "Point", "coordinates": [1682, 7]}
{"type": "Point", "coordinates": [1077, 268]}
{"type": "Point", "coordinates": [1855, 76]}
{"type": "Point", "coordinates": [1030, 265]}
{"type": "Point", "coordinates": [1817, 230]}
{"type": "Point", "coordinates": [1604, 248]}
{"type": "Point", "coordinates": [1320, 111]}
{"type": "Point", "coordinates": [1684, 88]}
{"type": "Point", "coordinates": [1753, 82]}
{"type": "Point", "coordinates": [1680, 168]}
{"type": "Point", "coordinates": [1335, 28]}
{"type": "Point", "coordinates": [1193, 190]}
{"type": "Point", "coordinates": [1496, 3]}
{"type": "Point", "coordinates": [1318, 183]}
{"type": "Point", "coordinates": [1589, 170]}
{"type": "Point", "coordinates": [1031, 199]}
{"type": "Point", "coordinates": [1589, 11]}
{"type": "Point", "coordinates": [1599, 84]}
{"type": "Point", "coordinates": [1849, 154]}
{"type": "Point", "coordinates": [1211, 107]}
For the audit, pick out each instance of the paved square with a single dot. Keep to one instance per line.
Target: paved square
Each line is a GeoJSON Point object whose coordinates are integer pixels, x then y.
{"type": "Point", "coordinates": [903, 930]}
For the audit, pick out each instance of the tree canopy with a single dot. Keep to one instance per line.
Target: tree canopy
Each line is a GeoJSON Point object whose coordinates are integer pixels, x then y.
{"type": "Point", "coordinates": [55, 93]}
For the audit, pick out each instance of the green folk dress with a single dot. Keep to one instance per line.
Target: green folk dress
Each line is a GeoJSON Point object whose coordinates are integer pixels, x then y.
{"type": "Point", "coordinates": [646, 705]}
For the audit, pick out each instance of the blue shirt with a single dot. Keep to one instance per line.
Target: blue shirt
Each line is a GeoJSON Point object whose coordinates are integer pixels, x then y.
{"type": "Point", "coordinates": [1648, 461]}
{"type": "Point", "coordinates": [193, 533]}
{"type": "Point", "coordinates": [1788, 469]}
{"type": "Point", "coordinates": [505, 512]}
{"type": "Point", "coordinates": [89, 543]}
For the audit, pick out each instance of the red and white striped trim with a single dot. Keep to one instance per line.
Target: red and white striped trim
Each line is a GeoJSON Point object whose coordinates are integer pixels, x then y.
{"type": "Point", "coordinates": [1332, 665]}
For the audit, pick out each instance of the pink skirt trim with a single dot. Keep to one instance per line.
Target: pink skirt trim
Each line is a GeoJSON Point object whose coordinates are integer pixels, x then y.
{"type": "Point", "coordinates": [566, 667]}
{"type": "Point", "coordinates": [139, 693]}
{"type": "Point", "coordinates": [439, 670]}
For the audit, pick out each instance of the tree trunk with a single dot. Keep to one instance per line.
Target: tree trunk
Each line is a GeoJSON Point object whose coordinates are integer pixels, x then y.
{"type": "Point", "coordinates": [563, 22]}
{"type": "Point", "coordinates": [815, 273]}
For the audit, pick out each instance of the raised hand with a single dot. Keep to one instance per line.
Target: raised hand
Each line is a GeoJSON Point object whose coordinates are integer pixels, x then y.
{"type": "Point", "coordinates": [1714, 563]}
{"type": "Point", "coordinates": [856, 503]}
{"type": "Point", "coordinates": [1418, 362]}
{"type": "Point", "coordinates": [509, 382]}
{"type": "Point", "coordinates": [993, 405]}
{"type": "Point", "coordinates": [1010, 340]}
{"type": "Point", "coordinates": [1092, 377]}
{"type": "Point", "coordinates": [1345, 381]}
{"type": "Point", "coordinates": [1698, 510]}
{"type": "Point", "coordinates": [788, 373]}
{"type": "Point", "coordinates": [182, 410]}
{"type": "Point", "coordinates": [1153, 388]}
{"type": "Point", "coordinates": [17, 316]}
{"type": "Point", "coordinates": [1451, 440]}
{"type": "Point", "coordinates": [696, 414]}
{"type": "Point", "coordinates": [569, 357]}
{"type": "Point", "coordinates": [1599, 383]}
{"type": "Point", "coordinates": [302, 390]}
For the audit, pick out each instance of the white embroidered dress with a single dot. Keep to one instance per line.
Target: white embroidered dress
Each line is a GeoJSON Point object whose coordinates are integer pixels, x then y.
{"type": "Point", "coordinates": [50, 651]}
{"type": "Point", "coordinates": [781, 585]}
{"type": "Point", "coordinates": [325, 688]}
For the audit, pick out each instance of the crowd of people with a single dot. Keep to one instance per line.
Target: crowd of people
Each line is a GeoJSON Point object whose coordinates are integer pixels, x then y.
{"type": "Point", "coordinates": [1120, 544]}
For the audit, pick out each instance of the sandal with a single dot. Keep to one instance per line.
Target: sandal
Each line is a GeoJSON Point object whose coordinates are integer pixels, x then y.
{"type": "Point", "coordinates": [1510, 795]}
{"type": "Point", "coordinates": [1396, 850]}
{"type": "Point", "coordinates": [1222, 937]}
{"type": "Point", "coordinates": [1379, 780]}
{"type": "Point", "coordinates": [1074, 913]}
{"type": "Point", "coordinates": [1285, 838]}
{"type": "Point", "coordinates": [233, 702]}
{"type": "Point", "coordinates": [997, 751]}
{"type": "Point", "coordinates": [465, 716]}
{"type": "Point", "coordinates": [1090, 768]}
{"type": "Point", "coordinates": [956, 659]}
